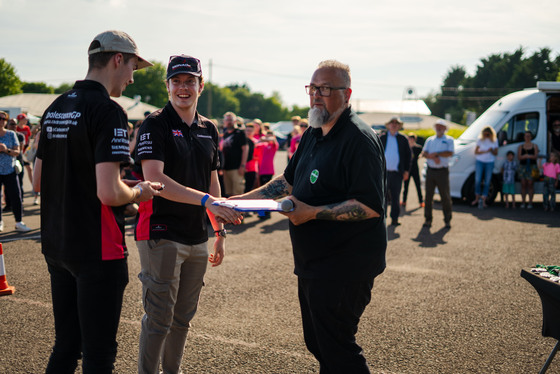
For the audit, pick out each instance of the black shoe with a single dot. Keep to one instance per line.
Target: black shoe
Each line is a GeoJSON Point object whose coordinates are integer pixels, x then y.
{"type": "Point", "coordinates": [427, 224]}
{"type": "Point", "coordinates": [447, 225]}
{"type": "Point", "coordinates": [395, 223]}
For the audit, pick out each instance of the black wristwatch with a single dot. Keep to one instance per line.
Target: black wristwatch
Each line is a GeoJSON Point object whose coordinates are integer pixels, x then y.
{"type": "Point", "coordinates": [222, 232]}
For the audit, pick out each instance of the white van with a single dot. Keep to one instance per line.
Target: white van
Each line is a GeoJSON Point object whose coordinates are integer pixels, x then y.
{"type": "Point", "coordinates": [512, 115]}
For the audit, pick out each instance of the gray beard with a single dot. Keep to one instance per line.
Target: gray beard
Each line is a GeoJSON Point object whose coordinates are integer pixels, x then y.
{"type": "Point", "coordinates": [318, 117]}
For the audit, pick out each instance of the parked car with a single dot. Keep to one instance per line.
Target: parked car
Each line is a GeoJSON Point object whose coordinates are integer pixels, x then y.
{"type": "Point", "coordinates": [379, 129]}
{"type": "Point", "coordinates": [510, 116]}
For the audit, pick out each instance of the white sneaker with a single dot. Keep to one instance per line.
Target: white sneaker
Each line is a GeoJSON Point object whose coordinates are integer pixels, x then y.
{"type": "Point", "coordinates": [36, 200]}
{"type": "Point", "coordinates": [1, 225]}
{"type": "Point", "coordinates": [20, 226]}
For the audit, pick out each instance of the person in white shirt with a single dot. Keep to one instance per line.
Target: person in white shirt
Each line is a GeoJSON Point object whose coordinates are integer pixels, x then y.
{"type": "Point", "coordinates": [485, 152]}
{"type": "Point", "coordinates": [437, 150]}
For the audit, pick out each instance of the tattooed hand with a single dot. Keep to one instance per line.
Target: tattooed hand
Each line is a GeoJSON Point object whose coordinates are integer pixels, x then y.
{"type": "Point", "coordinates": [347, 211]}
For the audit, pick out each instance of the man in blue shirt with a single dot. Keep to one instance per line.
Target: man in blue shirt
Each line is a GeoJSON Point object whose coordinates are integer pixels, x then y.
{"type": "Point", "coordinates": [398, 157]}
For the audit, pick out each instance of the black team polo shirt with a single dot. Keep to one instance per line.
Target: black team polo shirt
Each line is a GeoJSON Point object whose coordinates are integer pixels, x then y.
{"type": "Point", "coordinates": [347, 163]}
{"type": "Point", "coordinates": [231, 147]}
{"type": "Point", "coordinates": [81, 128]}
{"type": "Point", "coordinates": [189, 154]}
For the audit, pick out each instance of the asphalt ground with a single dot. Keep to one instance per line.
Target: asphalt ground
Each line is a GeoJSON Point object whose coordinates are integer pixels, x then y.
{"type": "Point", "coordinates": [450, 301]}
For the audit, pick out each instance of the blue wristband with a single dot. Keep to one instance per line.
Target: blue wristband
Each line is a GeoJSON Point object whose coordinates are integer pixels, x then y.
{"type": "Point", "coordinates": [203, 201]}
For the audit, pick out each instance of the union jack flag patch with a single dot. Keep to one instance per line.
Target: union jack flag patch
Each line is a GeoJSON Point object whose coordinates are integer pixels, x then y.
{"type": "Point", "coordinates": [178, 133]}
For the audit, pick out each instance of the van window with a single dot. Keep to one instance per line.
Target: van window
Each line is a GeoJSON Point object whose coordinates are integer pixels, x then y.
{"type": "Point", "coordinates": [514, 129]}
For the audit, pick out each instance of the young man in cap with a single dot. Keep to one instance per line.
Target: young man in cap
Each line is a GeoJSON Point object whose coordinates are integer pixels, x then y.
{"type": "Point", "coordinates": [398, 157]}
{"type": "Point", "coordinates": [337, 182]}
{"type": "Point", "coordinates": [179, 147]}
{"type": "Point", "coordinates": [83, 144]}
{"type": "Point", "coordinates": [437, 150]}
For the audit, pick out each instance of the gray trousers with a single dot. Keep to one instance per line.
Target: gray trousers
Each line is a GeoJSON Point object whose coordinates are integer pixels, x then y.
{"type": "Point", "coordinates": [172, 277]}
{"type": "Point", "coordinates": [438, 178]}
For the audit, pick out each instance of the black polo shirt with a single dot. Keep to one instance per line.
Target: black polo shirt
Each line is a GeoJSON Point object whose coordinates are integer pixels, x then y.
{"type": "Point", "coordinates": [231, 147]}
{"type": "Point", "coordinates": [189, 154]}
{"type": "Point", "coordinates": [81, 128]}
{"type": "Point", "coordinates": [347, 163]}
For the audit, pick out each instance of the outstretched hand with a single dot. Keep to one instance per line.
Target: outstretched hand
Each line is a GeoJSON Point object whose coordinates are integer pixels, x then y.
{"type": "Point", "coordinates": [224, 214]}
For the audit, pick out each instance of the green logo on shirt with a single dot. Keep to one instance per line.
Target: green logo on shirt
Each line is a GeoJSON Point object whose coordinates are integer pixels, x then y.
{"type": "Point", "coordinates": [314, 176]}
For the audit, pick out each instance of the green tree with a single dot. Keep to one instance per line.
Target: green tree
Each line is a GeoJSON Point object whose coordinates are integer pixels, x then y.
{"type": "Point", "coordinates": [298, 111]}
{"type": "Point", "coordinates": [37, 87]}
{"type": "Point", "coordinates": [448, 101]}
{"type": "Point", "coordinates": [149, 83]}
{"type": "Point", "coordinates": [10, 84]}
{"type": "Point", "coordinates": [221, 100]}
{"type": "Point", "coordinates": [63, 88]}
{"type": "Point", "coordinates": [256, 105]}
{"type": "Point", "coordinates": [496, 76]}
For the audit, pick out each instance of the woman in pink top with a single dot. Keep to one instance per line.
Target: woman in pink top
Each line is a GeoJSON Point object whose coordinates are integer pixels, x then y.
{"type": "Point", "coordinates": [251, 168]}
{"type": "Point", "coordinates": [266, 150]}
{"type": "Point", "coordinates": [551, 171]}
{"type": "Point", "coordinates": [294, 143]}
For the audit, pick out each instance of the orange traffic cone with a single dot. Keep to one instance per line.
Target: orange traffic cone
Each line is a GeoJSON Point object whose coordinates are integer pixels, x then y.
{"type": "Point", "coordinates": [4, 288]}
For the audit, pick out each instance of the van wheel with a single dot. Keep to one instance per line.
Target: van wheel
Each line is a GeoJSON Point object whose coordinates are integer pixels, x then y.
{"type": "Point", "coordinates": [468, 189]}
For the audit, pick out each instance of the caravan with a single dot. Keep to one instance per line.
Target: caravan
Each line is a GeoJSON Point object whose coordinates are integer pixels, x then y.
{"type": "Point", "coordinates": [528, 110]}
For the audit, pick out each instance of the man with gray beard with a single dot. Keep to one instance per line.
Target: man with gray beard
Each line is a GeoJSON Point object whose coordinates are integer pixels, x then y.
{"type": "Point", "coordinates": [336, 180]}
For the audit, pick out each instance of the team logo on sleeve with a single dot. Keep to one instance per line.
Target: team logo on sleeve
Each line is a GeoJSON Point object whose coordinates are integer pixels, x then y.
{"type": "Point", "coordinates": [178, 133]}
{"type": "Point", "coordinates": [314, 176]}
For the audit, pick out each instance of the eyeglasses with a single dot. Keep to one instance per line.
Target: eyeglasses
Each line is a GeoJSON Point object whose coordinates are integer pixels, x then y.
{"type": "Point", "coordinates": [324, 91]}
{"type": "Point", "coordinates": [3, 119]}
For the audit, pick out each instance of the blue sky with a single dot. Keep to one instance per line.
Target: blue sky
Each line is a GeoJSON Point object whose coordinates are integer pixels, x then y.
{"type": "Point", "coordinates": [275, 45]}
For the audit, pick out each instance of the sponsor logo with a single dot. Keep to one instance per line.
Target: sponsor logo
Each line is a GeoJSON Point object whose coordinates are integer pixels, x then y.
{"type": "Point", "coordinates": [178, 133]}
{"type": "Point", "coordinates": [204, 136]}
{"type": "Point", "coordinates": [67, 115]}
{"type": "Point", "coordinates": [314, 176]}
{"type": "Point", "coordinates": [145, 136]}
{"type": "Point", "coordinates": [72, 95]}
{"type": "Point", "coordinates": [158, 227]}
{"type": "Point", "coordinates": [121, 133]}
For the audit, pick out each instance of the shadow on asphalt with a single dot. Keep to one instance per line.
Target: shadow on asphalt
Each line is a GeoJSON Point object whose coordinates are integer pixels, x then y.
{"type": "Point", "coordinates": [428, 239]}
{"type": "Point", "coordinates": [498, 210]}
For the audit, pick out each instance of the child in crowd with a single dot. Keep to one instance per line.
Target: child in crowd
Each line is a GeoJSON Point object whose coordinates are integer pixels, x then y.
{"type": "Point", "coordinates": [551, 170]}
{"type": "Point", "coordinates": [508, 171]}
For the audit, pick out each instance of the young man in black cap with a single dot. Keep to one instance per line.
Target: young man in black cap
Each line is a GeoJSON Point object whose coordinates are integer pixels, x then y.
{"type": "Point", "coordinates": [83, 144]}
{"type": "Point", "coordinates": [178, 147]}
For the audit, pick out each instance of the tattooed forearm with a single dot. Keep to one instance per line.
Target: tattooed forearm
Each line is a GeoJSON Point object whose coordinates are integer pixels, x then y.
{"type": "Point", "coordinates": [350, 210]}
{"type": "Point", "coordinates": [275, 189]}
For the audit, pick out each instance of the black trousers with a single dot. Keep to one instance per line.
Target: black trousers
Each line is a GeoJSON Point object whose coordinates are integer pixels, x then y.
{"type": "Point", "coordinates": [414, 174]}
{"type": "Point", "coordinates": [331, 311]}
{"type": "Point", "coordinates": [13, 194]}
{"type": "Point", "coordinates": [394, 186]}
{"type": "Point", "coordinates": [87, 300]}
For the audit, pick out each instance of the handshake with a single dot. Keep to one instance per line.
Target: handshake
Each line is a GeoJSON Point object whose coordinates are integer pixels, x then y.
{"type": "Point", "coordinates": [235, 207]}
